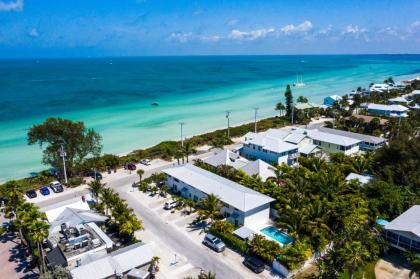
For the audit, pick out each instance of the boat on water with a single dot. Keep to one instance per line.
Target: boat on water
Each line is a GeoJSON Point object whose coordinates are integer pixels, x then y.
{"type": "Point", "coordinates": [299, 83]}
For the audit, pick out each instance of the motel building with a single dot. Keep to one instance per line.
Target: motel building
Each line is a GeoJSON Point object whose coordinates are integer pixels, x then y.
{"type": "Point", "coordinates": [241, 205]}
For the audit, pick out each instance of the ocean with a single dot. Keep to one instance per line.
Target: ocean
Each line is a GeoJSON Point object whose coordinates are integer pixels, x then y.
{"type": "Point", "coordinates": [115, 95]}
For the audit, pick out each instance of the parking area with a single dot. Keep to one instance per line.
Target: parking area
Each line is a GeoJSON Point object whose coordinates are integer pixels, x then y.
{"type": "Point", "coordinates": [182, 223]}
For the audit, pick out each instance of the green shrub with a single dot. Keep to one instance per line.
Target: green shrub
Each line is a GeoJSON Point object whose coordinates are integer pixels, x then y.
{"type": "Point", "coordinates": [75, 181]}
{"type": "Point", "coordinates": [230, 240]}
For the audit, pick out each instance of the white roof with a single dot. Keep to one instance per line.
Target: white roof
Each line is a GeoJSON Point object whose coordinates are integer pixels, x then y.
{"type": "Point", "coordinates": [53, 211]}
{"type": "Point", "coordinates": [226, 157]}
{"type": "Point", "coordinates": [229, 192]}
{"type": "Point", "coordinates": [331, 138]}
{"type": "Point", "coordinates": [335, 97]}
{"type": "Point", "coordinates": [358, 136]}
{"type": "Point", "coordinates": [244, 232]}
{"type": "Point", "coordinates": [398, 108]}
{"type": "Point", "coordinates": [108, 242]}
{"type": "Point", "coordinates": [73, 217]}
{"type": "Point", "coordinates": [363, 179]}
{"type": "Point", "coordinates": [118, 262]}
{"type": "Point", "coordinates": [260, 168]}
{"type": "Point", "coordinates": [398, 100]}
{"type": "Point", "coordinates": [308, 148]}
{"type": "Point", "coordinates": [269, 142]}
{"type": "Point", "coordinates": [295, 138]}
{"type": "Point", "coordinates": [409, 221]}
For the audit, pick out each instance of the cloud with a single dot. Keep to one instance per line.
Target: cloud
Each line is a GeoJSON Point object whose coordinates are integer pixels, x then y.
{"type": "Point", "coordinates": [300, 28]}
{"type": "Point", "coordinates": [180, 37]}
{"type": "Point", "coordinates": [251, 35]}
{"type": "Point", "coordinates": [232, 22]}
{"type": "Point", "coordinates": [16, 6]}
{"type": "Point", "coordinates": [33, 33]}
{"type": "Point", "coordinates": [214, 38]}
{"type": "Point", "coordinates": [354, 29]}
{"type": "Point", "coordinates": [415, 24]}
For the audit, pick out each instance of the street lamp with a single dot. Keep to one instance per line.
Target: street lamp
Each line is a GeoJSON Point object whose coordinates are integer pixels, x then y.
{"type": "Point", "coordinates": [228, 128]}
{"type": "Point", "coordinates": [255, 119]}
{"type": "Point", "coordinates": [63, 154]}
{"type": "Point", "coordinates": [182, 138]}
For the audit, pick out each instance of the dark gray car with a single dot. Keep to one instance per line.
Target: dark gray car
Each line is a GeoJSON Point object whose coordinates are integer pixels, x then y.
{"type": "Point", "coordinates": [214, 243]}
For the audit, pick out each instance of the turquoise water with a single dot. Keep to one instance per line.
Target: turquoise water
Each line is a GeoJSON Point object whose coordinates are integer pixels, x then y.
{"type": "Point", "coordinates": [277, 235]}
{"type": "Point", "coordinates": [382, 222]}
{"type": "Point", "coordinates": [114, 96]}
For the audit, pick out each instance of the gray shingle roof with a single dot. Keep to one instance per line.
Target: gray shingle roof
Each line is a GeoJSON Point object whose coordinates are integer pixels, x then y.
{"type": "Point", "coordinates": [409, 221]}
{"type": "Point", "coordinates": [229, 192]}
{"type": "Point", "coordinates": [226, 157]}
{"type": "Point", "coordinates": [260, 168]}
{"type": "Point", "coordinates": [358, 136]}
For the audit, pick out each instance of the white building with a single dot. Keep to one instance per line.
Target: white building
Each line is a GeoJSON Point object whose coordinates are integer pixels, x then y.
{"type": "Point", "coordinates": [270, 149]}
{"type": "Point", "coordinates": [117, 264]}
{"type": "Point", "coordinates": [404, 231]}
{"type": "Point", "coordinates": [228, 158]}
{"type": "Point", "coordinates": [387, 110]}
{"type": "Point", "coordinates": [362, 178]}
{"type": "Point", "coordinates": [380, 87]}
{"type": "Point", "coordinates": [331, 100]}
{"type": "Point", "coordinates": [241, 205]}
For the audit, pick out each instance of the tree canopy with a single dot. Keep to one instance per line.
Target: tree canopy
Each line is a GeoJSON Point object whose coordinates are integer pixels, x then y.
{"type": "Point", "coordinates": [78, 142]}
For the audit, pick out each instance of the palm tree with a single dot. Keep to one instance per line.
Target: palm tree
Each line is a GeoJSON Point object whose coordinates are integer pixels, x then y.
{"type": "Point", "coordinates": [188, 149]}
{"type": "Point", "coordinates": [266, 249]}
{"type": "Point", "coordinates": [140, 173]}
{"type": "Point", "coordinates": [206, 275]}
{"type": "Point", "coordinates": [108, 197]}
{"type": "Point", "coordinates": [355, 255]}
{"type": "Point", "coordinates": [154, 266]}
{"type": "Point", "coordinates": [95, 187]}
{"type": "Point", "coordinates": [130, 224]}
{"type": "Point", "coordinates": [280, 107]}
{"type": "Point", "coordinates": [39, 232]}
{"type": "Point", "coordinates": [210, 207]}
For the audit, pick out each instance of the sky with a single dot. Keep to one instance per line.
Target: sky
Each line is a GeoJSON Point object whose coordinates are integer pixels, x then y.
{"type": "Point", "coordinates": [91, 28]}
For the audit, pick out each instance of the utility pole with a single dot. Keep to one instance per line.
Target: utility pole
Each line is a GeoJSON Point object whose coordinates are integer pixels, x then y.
{"type": "Point", "coordinates": [182, 137]}
{"type": "Point", "coordinates": [228, 127]}
{"type": "Point", "coordinates": [293, 112]}
{"type": "Point", "coordinates": [63, 155]}
{"type": "Point", "coordinates": [255, 119]}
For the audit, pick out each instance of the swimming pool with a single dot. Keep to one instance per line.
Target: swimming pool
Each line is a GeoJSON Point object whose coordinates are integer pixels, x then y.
{"type": "Point", "coordinates": [277, 235]}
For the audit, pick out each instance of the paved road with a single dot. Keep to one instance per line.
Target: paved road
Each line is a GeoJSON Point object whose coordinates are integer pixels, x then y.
{"type": "Point", "coordinates": [176, 241]}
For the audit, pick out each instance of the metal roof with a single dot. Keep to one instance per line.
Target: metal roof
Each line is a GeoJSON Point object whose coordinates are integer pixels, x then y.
{"type": "Point", "coordinates": [294, 138]}
{"type": "Point", "coordinates": [308, 148]}
{"type": "Point", "coordinates": [73, 217]}
{"type": "Point", "coordinates": [226, 157]}
{"type": "Point", "coordinates": [269, 142]}
{"type": "Point", "coordinates": [118, 262]}
{"type": "Point", "coordinates": [362, 178]}
{"type": "Point", "coordinates": [260, 168]}
{"type": "Point", "coordinates": [362, 137]}
{"type": "Point", "coordinates": [244, 232]}
{"type": "Point", "coordinates": [409, 221]}
{"type": "Point", "coordinates": [331, 138]}
{"type": "Point", "coordinates": [229, 192]}
{"type": "Point", "coordinates": [398, 108]}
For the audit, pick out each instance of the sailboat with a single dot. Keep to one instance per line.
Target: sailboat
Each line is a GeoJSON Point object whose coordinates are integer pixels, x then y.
{"type": "Point", "coordinates": [299, 83]}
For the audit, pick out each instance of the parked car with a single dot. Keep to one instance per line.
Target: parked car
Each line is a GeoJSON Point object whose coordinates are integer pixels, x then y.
{"type": "Point", "coordinates": [44, 191]}
{"type": "Point", "coordinates": [131, 166]}
{"type": "Point", "coordinates": [56, 187]}
{"type": "Point", "coordinates": [214, 243]}
{"type": "Point", "coordinates": [31, 194]}
{"type": "Point", "coordinates": [254, 264]}
{"type": "Point", "coordinates": [170, 204]}
{"type": "Point", "coordinates": [145, 162]}
{"type": "Point", "coordinates": [94, 174]}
